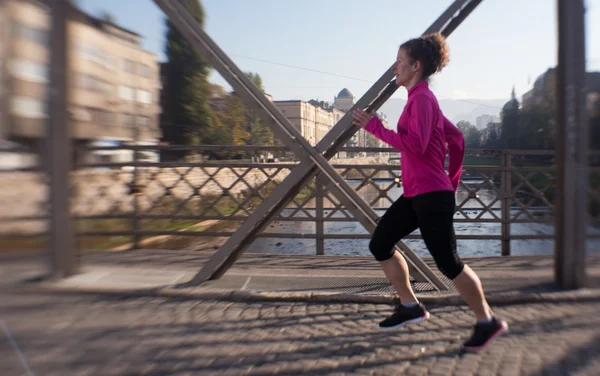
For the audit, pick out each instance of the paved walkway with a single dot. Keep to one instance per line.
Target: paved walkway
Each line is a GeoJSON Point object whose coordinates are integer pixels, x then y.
{"type": "Point", "coordinates": [290, 275]}
{"type": "Point", "coordinates": [80, 334]}
{"type": "Point", "coordinates": [67, 335]}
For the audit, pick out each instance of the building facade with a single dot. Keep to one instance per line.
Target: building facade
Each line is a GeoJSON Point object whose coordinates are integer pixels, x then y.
{"type": "Point", "coordinates": [312, 119]}
{"type": "Point", "coordinates": [545, 85]}
{"type": "Point", "coordinates": [489, 129]}
{"type": "Point", "coordinates": [114, 84]}
{"type": "Point", "coordinates": [483, 120]}
{"type": "Point", "coordinates": [344, 101]}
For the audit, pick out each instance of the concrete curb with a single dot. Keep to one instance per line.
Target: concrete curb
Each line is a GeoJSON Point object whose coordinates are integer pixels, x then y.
{"type": "Point", "coordinates": [500, 298]}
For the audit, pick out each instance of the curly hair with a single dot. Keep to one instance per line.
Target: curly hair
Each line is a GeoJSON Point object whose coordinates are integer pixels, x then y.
{"type": "Point", "coordinates": [431, 50]}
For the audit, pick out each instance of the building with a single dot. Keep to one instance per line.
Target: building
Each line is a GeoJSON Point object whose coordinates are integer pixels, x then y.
{"type": "Point", "coordinates": [326, 117]}
{"type": "Point", "coordinates": [483, 120]}
{"type": "Point", "coordinates": [114, 84]}
{"type": "Point", "coordinates": [344, 101]}
{"type": "Point", "coordinates": [301, 115]}
{"type": "Point", "coordinates": [3, 79]}
{"type": "Point", "coordinates": [495, 127]}
{"type": "Point", "coordinates": [545, 85]}
{"type": "Point", "coordinates": [312, 119]}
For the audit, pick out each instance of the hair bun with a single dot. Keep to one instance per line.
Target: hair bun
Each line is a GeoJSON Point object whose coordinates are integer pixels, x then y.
{"type": "Point", "coordinates": [440, 50]}
{"type": "Point", "coordinates": [431, 50]}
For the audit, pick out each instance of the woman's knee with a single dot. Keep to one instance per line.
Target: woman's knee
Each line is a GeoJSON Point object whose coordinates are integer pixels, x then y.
{"type": "Point", "coordinates": [381, 250]}
{"type": "Point", "coordinates": [451, 268]}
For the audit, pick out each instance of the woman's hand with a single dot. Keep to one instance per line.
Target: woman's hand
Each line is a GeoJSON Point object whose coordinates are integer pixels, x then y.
{"type": "Point", "coordinates": [361, 118]}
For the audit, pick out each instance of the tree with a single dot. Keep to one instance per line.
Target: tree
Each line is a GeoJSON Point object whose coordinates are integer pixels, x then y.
{"type": "Point", "coordinates": [595, 127]}
{"type": "Point", "coordinates": [493, 141]}
{"type": "Point", "coordinates": [372, 141]}
{"type": "Point", "coordinates": [186, 117]}
{"type": "Point", "coordinates": [510, 123]}
{"type": "Point", "coordinates": [108, 17]}
{"type": "Point", "coordinates": [535, 128]}
{"type": "Point", "coordinates": [243, 125]}
{"type": "Point", "coordinates": [238, 121]}
{"type": "Point", "coordinates": [260, 133]}
{"type": "Point", "coordinates": [536, 121]}
{"type": "Point", "coordinates": [471, 133]}
{"type": "Point", "coordinates": [464, 126]}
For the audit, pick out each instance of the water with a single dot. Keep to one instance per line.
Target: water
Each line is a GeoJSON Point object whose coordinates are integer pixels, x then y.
{"type": "Point", "coordinates": [486, 195]}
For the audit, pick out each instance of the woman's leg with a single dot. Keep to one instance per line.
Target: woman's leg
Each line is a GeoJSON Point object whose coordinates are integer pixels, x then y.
{"type": "Point", "coordinates": [469, 286]}
{"type": "Point", "coordinates": [398, 222]}
{"type": "Point", "coordinates": [435, 213]}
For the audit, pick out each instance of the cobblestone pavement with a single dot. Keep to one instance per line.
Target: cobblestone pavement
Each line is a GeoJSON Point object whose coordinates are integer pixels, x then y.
{"type": "Point", "coordinates": [88, 335]}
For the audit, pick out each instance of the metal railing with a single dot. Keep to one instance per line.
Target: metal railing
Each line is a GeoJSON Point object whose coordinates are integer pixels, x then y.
{"type": "Point", "coordinates": [22, 225]}
{"type": "Point", "coordinates": [116, 203]}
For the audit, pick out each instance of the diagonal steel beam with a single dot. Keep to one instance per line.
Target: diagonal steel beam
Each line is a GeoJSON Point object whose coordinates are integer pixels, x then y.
{"type": "Point", "coordinates": [224, 258]}
{"type": "Point", "coordinates": [281, 125]}
{"type": "Point", "coordinates": [277, 201]}
{"type": "Point", "coordinates": [329, 146]}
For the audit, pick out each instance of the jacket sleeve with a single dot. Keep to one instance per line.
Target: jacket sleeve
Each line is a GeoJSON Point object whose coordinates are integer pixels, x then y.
{"type": "Point", "coordinates": [456, 151]}
{"type": "Point", "coordinates": [416, 138]}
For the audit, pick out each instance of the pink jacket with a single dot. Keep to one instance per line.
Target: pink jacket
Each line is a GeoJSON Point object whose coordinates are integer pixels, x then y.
{"type": "Point", "coordinates": [422, 134]}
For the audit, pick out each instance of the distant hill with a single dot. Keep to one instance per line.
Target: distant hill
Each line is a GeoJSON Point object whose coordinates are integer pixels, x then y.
{"type": "Point", "coordinates": [455, 110]}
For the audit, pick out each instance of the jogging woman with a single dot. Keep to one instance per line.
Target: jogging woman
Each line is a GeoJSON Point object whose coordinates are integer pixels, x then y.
{"type": "Point", "coordinates": [424, 136]}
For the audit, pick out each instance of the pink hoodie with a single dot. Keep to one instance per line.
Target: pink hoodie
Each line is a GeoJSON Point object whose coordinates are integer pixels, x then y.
{"type": "Point", "coordinates": [422, 134]}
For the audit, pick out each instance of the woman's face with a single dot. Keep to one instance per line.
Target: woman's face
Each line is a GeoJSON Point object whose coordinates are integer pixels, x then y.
{"type": "Point", "coordinates": [404, 68]}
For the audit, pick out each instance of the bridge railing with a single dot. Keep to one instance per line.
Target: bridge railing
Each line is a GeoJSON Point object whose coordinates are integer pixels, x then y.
{"type": "Point", "coordinates": [505, 197]}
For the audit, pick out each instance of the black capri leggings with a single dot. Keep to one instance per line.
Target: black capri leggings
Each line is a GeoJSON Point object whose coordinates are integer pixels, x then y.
{"type": "Point", "coordinates": [433, 213]}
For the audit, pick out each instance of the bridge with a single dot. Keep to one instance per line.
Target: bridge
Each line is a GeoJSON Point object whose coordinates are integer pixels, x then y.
{"type": "Point", "coordinates": [227, 253]}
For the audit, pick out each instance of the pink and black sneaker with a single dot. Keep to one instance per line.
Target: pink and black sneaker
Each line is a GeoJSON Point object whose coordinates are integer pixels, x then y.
{"type": "Point", "coordinates": [484, 333]}
{"type": "Point", "coordinates": [405, 315]}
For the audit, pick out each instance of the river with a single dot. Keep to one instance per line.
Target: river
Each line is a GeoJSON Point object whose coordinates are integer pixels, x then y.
{"type": "Point", "coordinates": [359, 247]}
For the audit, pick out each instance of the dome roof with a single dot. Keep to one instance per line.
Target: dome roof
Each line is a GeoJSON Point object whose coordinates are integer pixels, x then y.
{"type": "Point", "coordinates": [345, 94]}
{"type": "Point", "coordinates": [512, 104]}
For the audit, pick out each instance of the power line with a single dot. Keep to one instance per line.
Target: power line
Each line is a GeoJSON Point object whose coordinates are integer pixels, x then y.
{"type": "Point", "coordinates": [341, 76]}
{"type": "Point", "coordinates": [468, 101]}
{"type": "Point", "coordinates": [302, 68]}
{"type": "Point", "coordinates": [351, 78]}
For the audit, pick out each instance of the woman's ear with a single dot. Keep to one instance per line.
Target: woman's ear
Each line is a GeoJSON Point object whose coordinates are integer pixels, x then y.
{"type": "Point", "coordinates": [416, 66]}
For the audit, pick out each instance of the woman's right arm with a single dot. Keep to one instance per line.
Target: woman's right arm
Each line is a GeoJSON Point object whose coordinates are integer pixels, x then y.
{"type": "Point", "coordinates": [456, 151]}
{"type": "Point", "coordinates": [416, 138]}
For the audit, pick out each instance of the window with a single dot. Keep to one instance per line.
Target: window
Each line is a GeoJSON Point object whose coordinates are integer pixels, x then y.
{"type": "Point", "coordinates": [104, 117]}
{"type": "Point", "coordinates": [144, 70]}
{"type": "Point", "coordinates": [92, 83]}
{"type": "Point", "coordinates": [128, 66]}
{"type": "Point", "coordinates": [144, 96]}
{"type": "Point", "coordinates": [128, 119]}
{"type": "Point", "coordinates": [94, 54]}
{"type": "Point", "coordinates": [143, 121]}
{"type": "Point", "coordinates": [21, 31]}
{"type": "Point", "coordinates": [28, 107]}
{"type": "Point", "coordinates": [29, 71]}
{"type": "Point", "coordinates": [86, 82]}
{"type": "Point", "coordinates": [107, 88]}
{"type": "Point", "coordinates": [126, 93]}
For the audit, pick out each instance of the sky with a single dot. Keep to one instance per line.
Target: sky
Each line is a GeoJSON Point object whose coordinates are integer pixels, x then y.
{"type": "Point", "coordinates": [503, 43]}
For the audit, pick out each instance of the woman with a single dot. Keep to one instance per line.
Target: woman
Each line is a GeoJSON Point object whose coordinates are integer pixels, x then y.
{"type": "Point", "coordinates": [428, 201]}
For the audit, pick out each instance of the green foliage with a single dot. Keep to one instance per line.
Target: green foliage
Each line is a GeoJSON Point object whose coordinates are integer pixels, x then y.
{"type": "Point", "coordinates": [242, 125]}
{"type": "Point", "coordinates": [595, 127]}
{"type": "Point", "coordinates": [186, 115]}
{"type": "Point", "coordinates": [471, 133]}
